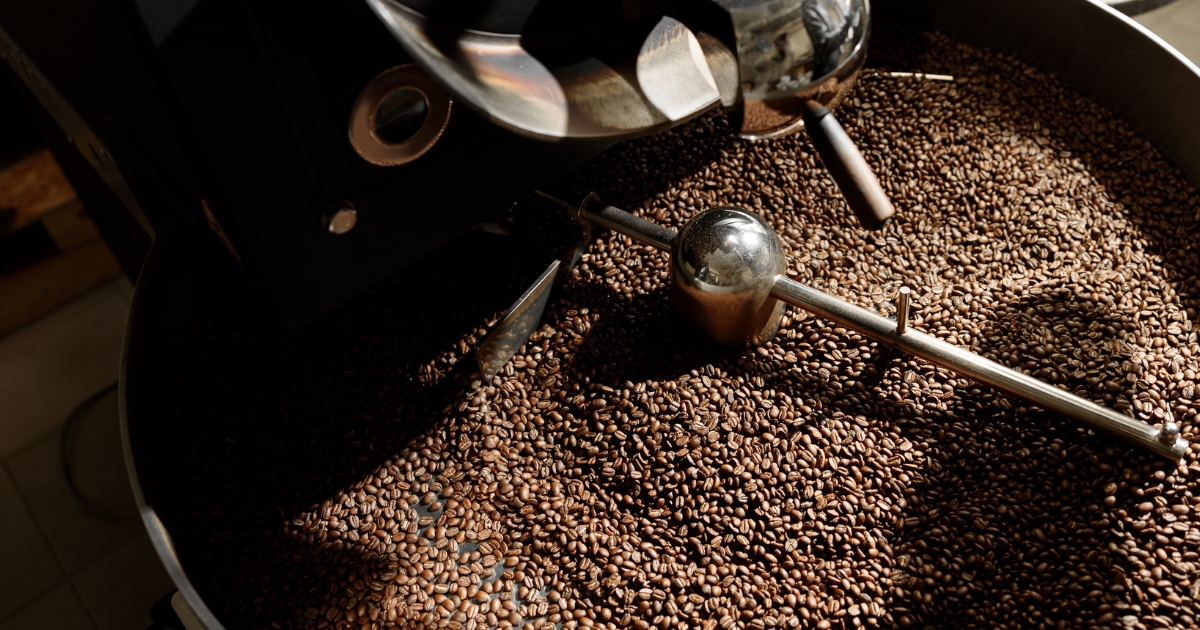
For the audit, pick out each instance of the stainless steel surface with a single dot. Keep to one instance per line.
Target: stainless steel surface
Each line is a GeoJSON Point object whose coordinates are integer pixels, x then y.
{"type": "Point", "coordinates": [1136, 7]}
{"type": "Point", "coordinates": [824, 57]}
{"type": "Point", "coordinates": [723, 266]}
{"type": "Point", "coordinates": [977, 368]}
{"type": "Point", "coordinates": [601, 214]}
{"type": "Point", "coordinates": [184, 611]}
{"type": "Point", "coordinates": [854, 177]}
{"type": "Point", "coordinates": [366, 127]}
{"type": "Point", "coordinates": [724, 67]}
{"type": "Point", "coordinates": [902, 308]}
{"type": "Point", "coordinates": [587, 98]}
{"type": "Point", "coordinates": [522, 318]}
{"type": "Point", "coordinates": [1169, 433]}
{"type": "Point", "coordinates": [1091, 48]}
{"type": "Point", "coordinates": [789, 52]}
{"type": "Point", "coordinates": [79, 133]}
{"type": "Point", "coordinates": [182, 269]}
{"type": "Point", "coordinates": [782, 53]}
{"type": "Point", "coordinates": [727, 265]}
{"type": "Point", "coordinates": [786, 46]}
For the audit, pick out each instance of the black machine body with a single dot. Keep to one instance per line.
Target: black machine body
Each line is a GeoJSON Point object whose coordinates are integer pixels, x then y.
{"type": "Point", "coordinates": [243, 110]}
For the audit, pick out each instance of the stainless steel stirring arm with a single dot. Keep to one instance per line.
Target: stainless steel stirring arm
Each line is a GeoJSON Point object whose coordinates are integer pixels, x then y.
{"type": "Point", "coordinates": [726, 276]}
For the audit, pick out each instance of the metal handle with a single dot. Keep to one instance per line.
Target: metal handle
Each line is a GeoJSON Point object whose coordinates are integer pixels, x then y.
{"type": "Point", "coordinates": [595, 211]}
{"type": "Point", "coordinates": [1165, 442]}
{"type": "Point", "coordinates": [854, 177]}
{"type": "Point", "coordinates": [592, 211]}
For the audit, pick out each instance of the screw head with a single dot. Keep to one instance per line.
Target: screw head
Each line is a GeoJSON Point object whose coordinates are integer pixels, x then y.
{"type": "Point", "coordinates": [341, 218]}
{"type": "Point", "coordinates": [1168, 433]}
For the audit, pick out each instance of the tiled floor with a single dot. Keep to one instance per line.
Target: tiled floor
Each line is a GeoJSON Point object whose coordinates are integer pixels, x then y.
{"type": "Point", "coordinates": [64, 568]}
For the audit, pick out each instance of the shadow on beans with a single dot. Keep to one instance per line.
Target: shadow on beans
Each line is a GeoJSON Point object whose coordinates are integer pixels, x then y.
{"type": "Point", "coordinates": [283, 421]}
{"type": "Point", "coordinates": [1009, 513]}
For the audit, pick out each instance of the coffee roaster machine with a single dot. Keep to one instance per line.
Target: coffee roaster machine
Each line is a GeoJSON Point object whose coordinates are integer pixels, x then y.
{"type": "Point", "coordinates": [318, 147]}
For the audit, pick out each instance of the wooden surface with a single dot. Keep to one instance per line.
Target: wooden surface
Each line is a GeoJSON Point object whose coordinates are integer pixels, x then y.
{"type": "Point", "coordinates": [37, 190]}
{"type": "Point", "coordinates": [69, 226]}
{"type": "Point", "coordinates": [34, 186]}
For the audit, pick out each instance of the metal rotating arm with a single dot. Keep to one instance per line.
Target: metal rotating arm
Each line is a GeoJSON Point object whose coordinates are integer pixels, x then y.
{"type": "Point", "coordinates": [895, 333]}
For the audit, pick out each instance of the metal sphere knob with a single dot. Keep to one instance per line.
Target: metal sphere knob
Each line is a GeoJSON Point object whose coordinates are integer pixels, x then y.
{"type": "Point", "coordinates": [1169, 433]}
{"type": "Point", "coordinates": [723, 265]}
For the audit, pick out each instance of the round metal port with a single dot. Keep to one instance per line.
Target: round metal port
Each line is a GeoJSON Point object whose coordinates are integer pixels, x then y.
{"type": "Point", "coordinates": [398, 116]}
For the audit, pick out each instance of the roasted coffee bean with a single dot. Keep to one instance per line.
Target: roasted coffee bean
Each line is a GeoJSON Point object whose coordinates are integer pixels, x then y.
{"type": "Point", "coordinates": [621, 472]}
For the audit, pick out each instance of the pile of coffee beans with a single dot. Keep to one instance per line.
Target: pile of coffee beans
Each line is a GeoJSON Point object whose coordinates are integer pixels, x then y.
{"type": "Point", "coordinates": [621, 472]}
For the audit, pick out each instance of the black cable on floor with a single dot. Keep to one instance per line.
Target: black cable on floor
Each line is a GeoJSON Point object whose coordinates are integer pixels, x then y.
{"type": "Point", "coordinates": [78, 413]}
